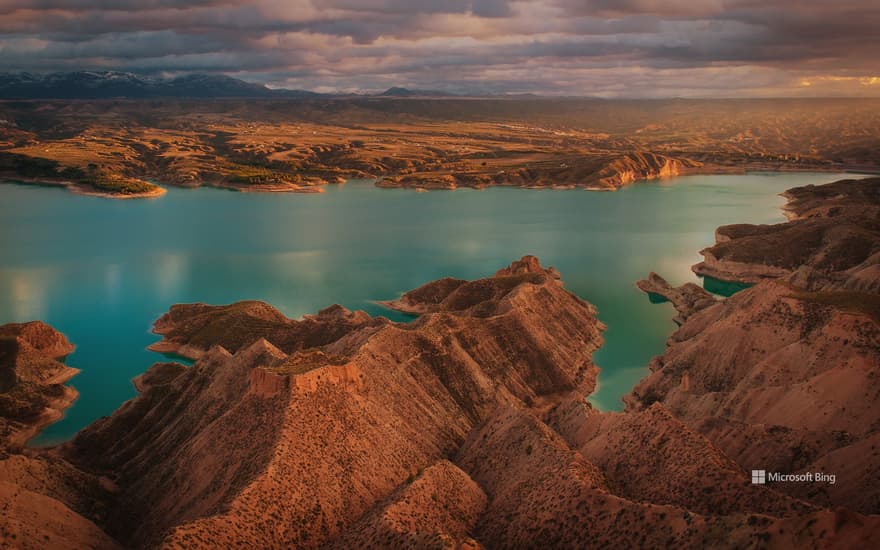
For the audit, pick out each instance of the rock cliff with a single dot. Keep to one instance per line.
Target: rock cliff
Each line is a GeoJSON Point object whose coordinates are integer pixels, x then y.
{"type": "Point", "coordinates": [639, 166]}
{"type": "Point", "coordinates": [832, 241]}
{"type": "Point", "coordinates": [588, 172]}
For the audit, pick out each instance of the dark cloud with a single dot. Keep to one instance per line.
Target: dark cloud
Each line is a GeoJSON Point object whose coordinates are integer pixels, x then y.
{"type": "Point", "coordinates": [606, 47]}
{"type": "Point", "coordinates": [482, 8]}
{"type": "Point", "coordinates": [621, 8]}
{"type": "Point", "coordinates": [10, 6]}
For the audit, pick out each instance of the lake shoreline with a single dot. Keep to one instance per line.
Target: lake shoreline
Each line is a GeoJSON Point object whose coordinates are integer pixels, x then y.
{"type": "Point", "coordinates": [702, 170]}
{"type": "Point", "coordinates": [82, 189]}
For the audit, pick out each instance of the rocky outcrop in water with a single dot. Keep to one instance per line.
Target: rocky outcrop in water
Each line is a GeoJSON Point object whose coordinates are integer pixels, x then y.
{"type": "Point", "coordinates": [687, 298]}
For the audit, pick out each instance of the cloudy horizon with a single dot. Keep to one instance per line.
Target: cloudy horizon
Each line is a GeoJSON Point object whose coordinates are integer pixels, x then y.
{"type": "Point", "coordinates": [604, 48]}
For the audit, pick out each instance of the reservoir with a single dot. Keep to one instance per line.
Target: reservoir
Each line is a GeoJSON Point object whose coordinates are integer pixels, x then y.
{"type": "Point", "coordinates": [102, 270]}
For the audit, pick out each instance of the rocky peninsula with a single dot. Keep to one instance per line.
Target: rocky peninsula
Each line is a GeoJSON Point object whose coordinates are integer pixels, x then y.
{"type": "Point", "coordinates": [831, 241]}
{"type": "Point", "coordinates": [32, 377]}
{"type": "Point", "coordinates": [687, 299]}
{"type": "Point", "coordinates": [469, 426]}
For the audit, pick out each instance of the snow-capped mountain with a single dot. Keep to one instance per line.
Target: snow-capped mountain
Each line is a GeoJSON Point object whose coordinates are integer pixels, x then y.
{"type": "Point", "coordinates": [112, 84]}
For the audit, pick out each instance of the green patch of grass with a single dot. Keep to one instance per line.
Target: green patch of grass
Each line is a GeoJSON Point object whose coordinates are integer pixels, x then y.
{"type": "Point", "coordinates": [246, 171]}
{"type": "Point", "coordinates": [94, 177]}
{"type": "Point", "coordinates": [29, 167]}
{"type": "Point", "coordinates": [119, 185]}
{"type": "Point", "coordinates": [255, 174]}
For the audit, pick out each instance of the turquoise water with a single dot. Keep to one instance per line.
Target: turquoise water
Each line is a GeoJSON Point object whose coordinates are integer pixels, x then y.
{"type": "Point", "coordinates": [102, 270]}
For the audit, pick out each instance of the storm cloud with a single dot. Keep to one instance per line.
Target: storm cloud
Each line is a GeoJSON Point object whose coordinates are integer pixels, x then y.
{"type": "Point", "coordinates": [608, 48]}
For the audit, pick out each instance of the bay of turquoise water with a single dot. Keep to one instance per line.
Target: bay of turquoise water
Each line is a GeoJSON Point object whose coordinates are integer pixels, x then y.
{"type": "Point", "coordinates": [102, 270]}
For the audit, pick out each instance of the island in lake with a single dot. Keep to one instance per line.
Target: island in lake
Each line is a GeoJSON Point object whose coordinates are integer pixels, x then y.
{"type": "Point", "coordinates": [469, 427]}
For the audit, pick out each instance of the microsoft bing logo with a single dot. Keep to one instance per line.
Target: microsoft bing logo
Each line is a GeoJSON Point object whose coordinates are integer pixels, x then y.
{"type": "Point", "coordinates": [759, 477]}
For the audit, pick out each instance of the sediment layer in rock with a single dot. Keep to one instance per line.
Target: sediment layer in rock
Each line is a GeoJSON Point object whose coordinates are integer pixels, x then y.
{"type": "Point", "coordinates": [597, 173]}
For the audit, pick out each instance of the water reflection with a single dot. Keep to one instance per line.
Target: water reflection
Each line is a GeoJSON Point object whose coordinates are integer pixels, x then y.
{"type": "Point", "coordinates": [26, 292]}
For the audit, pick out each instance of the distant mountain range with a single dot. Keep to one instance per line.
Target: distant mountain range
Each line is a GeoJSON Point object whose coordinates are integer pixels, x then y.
{"type": "Point", "coordinates": [406, 92]}
{"type": "Point", "coordinates": [112, 84]}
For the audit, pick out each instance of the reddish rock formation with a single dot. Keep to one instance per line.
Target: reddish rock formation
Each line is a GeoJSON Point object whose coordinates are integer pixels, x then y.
{"type": "Point", "coordinates": [544, 493]}
{"type": "Point", "coordinates": [159, 374]}
{"type": "Point", "coordinates": [426, 298]}
{"type": "Point", "coordinates": [784, 376]}
{"type": "Point", "coordinates": [438, 509]}
{"type": "Point", "coordinates": [467, 427]}
{"type": "Point", "coordinates": [526, 264]}
{"type": "Point", "coordinates": [457, 294]}
{"type": "Point", "coordinates": [674, 465]}
{"type": "Point", "coordinates": [191, 330]}
{"type": "Point", "coordinates": [687, 299]}
{"type": "Point", "coordinates": [33, 521]}
{"type": "Point", "coordinates": [840, 198]}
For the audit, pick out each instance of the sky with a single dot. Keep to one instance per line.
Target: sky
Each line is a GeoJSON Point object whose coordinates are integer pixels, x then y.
{"type": "Point", "coordinates": [604, 48]}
